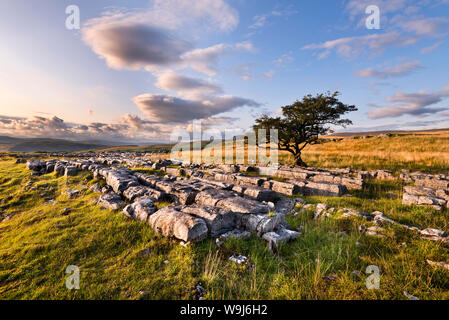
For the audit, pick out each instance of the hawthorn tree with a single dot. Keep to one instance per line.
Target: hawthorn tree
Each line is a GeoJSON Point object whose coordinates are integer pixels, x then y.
{"type": "Point", "coordinates": [304, 121]}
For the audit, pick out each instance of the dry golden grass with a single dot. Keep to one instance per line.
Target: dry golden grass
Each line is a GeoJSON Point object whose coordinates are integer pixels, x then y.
{"type": "Point", "coordinates": [420, 150]}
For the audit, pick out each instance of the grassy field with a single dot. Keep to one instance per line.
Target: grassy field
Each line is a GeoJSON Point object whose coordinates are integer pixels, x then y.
{"type": "Point", "coordinates": [123, 259]}
{"type": "Point", "coordinates": [418, 151]}
{"type": "Point", "coordinates": [426, 151]}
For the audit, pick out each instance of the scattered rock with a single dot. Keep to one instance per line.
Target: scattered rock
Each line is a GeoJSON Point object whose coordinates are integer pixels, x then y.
{"type": "Point", "coordinates": [110, 201]}
{"type": "Point", "coordinates": [140, 210]}
{"type": "Point", "coordinates": [172, 223]}
{"type": "Point", "coordinates": [238, 259]}
{"type": "Point", "coordinates": [200, 291]}
{"type": "Point", "coordinates": [444, 265]}
{"type": "Point", "coordinates": [96, 188]}
{"type": "Point", "coordinates": [375, 232]}
{"type": "Point", "coordinates": [70, 171]}
{"type": "Point", "coordinates": [430, 232]}
{"type": "Point", "coordinates": [73, 193]}
{"type": "Point", "coordinates": [408, 295]}
{"type": "Point", "coordinates": [330, 277]}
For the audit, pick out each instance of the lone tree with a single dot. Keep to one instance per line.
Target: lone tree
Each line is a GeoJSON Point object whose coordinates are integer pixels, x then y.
{"type": "Point", "coordinates": [303, 121]}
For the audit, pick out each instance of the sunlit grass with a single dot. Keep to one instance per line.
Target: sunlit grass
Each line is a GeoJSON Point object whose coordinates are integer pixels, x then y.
{"type": "Point", "coordinates": [119, 258]}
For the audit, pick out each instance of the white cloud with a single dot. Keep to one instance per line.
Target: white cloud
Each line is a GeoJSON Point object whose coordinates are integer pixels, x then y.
{"type": "Point", "coordinates": [411, 104]}
{"type": "Point", "coordinates": [269, 74]}
{"type": "Point", "coordinates": [396, 71]}
{"type": "Point", "coordinates": [260, 21]}
{"type": "Point", "coordinates": [162, 108]}
{"type": "Point", "coordinates": [434, 27]}
{"type": "Point", "coordinates": [352, 47]}
{"type": "Point", "coordinates": [186, 86]}
{"type": "Point", "coordinates": [127, 128]}
{"type": "Point", "coordinates": [134, 46]}
{"type": "Point", "coordinates": [284, 59]}
{"type": "Point", "coordinates": [431, 48]}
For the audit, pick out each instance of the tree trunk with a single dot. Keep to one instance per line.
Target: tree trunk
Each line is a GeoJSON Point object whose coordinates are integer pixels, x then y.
{"type": "Point", "coordinates": [298, 160]}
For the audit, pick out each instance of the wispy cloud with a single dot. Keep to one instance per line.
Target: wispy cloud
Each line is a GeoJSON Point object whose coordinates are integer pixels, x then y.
{"type": "Point", "coordinates": [395, 71]}
{"type": "Point", "coordinates": [284, 60]}
{"type": "Point", "coordinates": [262, 20]}
{"type": "Point", "coordinates": [163, 108]}
{"type": "Point", "coordinates": [415, 104]}
{"type": "Point", "coordinates": [352, 47]}
{"type": "Point", "coordinates": [187, 86]}
{"type": "Point", "coordinates": [431, 48]}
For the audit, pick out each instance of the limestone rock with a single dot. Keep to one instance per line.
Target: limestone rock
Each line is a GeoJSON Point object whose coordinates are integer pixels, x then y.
{"type": "Point", "coordinates": [218, 220]}
{"type": "Point", "coordinates": [429, 232]}
{"type": "Point", "coordinates": [261, 223]}
{"type": "Point", "coordinates": [70, 171]}
{"type": "Point", "coordinates": [260, 194]}
{"type": "Point", "coordinates": [73, 193]}
{"type": "Point", "coordinates": [110, 201]}
{"type": "Point", "coordinates": [444, 265]}
{"type": "Point", "coordinates": [140, 210]}
{"type": "Point", "coordinates": [35, 165]}
{"type": "Point", "coordinates": [242, 205]}
{"type": "Point", "coordinates": [286, 188]}
{"type": "Point", "coordinates": [280, 235]}
{"type": "Point", "coordinates": [285, 206]}
{"type": "Point", "coordinates": [172, 223]}
{"type": "Point", "coordinates": [96, 188]}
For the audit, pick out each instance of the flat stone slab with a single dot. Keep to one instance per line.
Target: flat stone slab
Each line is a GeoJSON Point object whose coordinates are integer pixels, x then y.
{"type": "Point", "coordinates": [172, 223]}
{"type": "Point", "coordinates": [218, 220]}
{"type": "Point", "coordinates": [280, 235]}
{"type": "Point", "coordinates": [111, 201]}
{"type": "Point", "coordinates": [411, 199]}
{"type": "Point", "coordinates": [242, 205]}
{"type": "Point", "coordinates": [323, 189]}
{"type": "Point", "coordinates": [140, 210]}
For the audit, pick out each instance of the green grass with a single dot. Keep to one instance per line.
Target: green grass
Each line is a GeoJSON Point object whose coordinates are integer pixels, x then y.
{"type": "Point", "coordinates": [37, 243]}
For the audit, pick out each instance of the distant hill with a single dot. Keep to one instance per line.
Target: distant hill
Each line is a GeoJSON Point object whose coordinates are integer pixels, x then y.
{"type": "Point", "coordinates": [10, 144]}
{"type": "Point", "coordinates": [375, 133]}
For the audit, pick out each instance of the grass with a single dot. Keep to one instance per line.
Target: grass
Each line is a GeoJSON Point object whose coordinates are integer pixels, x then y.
{"type": "Point", "coordinates": [417, 152]}
{"type": "Point", "coordinates": [123, 259]}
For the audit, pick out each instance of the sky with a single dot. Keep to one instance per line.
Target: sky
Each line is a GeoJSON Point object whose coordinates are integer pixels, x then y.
{"type": "Point", "coordinates": [137, 70]}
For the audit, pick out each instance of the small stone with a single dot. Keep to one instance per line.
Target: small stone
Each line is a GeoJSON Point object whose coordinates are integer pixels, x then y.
{"type": "Point", "coordinates": [66, 211]}
{"type": "Point", "coordinates": [237, 258]}
{"type": "Point", "coordinates": [408, 295]}
{"type": "Point", "coordinates": [73, 193]}
{"type": "Point", "coordinates": [145, 252]}
{"type": "Point", "coordinates": [331, 277]}
{"type": "Point", "coordinates": [184, 244]}
{"type": "Point", "coordinates": [433, 232]}
{"type": "Point", "coordinates": [375, 232]}
{"type": "Point", "coordinates": [444, 265]}
{"type": "Point", "coordinates": [200, 291]}
{"type": "Point", "coordinates": [356, 273]}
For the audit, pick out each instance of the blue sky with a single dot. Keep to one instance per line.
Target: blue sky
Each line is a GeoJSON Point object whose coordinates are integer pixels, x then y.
{"type": "Point", "coordinates": [136, 70]}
